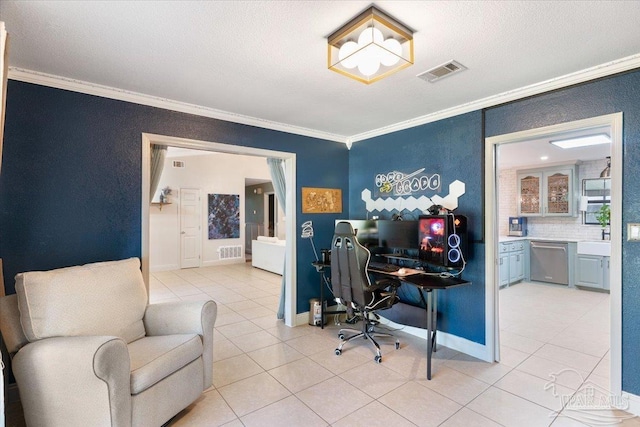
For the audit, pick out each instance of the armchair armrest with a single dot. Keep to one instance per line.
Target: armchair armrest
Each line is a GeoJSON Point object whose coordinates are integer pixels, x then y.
{"type": "Point", "coordinates": [90, 374]}
{"type": "Point", "coordinates": [185, 317]}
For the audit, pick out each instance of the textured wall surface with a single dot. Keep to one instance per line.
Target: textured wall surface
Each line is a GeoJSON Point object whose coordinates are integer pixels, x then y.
{"type": "Point", "coordinates": [611, 95]}
{"type": "Point", "coordinates": [453, 148]}
{"type": "Point", "coordinates": [71, 178]}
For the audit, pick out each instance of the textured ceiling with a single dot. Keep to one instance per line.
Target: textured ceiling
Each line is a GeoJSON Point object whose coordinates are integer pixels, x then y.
{"type": "Point", "coordinates": [267, 59]}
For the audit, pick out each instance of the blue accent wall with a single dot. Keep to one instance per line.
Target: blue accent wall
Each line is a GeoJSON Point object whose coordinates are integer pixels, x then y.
{"type": "Point", "coordinates": [453, 148]}
{"type": "Point", "coordinates": [606, 96]}
{"type": "Point", "coordinates": [71, 178]}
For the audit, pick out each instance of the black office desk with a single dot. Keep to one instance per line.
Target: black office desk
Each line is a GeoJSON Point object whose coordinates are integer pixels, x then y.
{"type": "Point", "coordinates": [429, 284]}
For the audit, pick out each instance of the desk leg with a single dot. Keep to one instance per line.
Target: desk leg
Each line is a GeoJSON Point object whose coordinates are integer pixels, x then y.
{"type": "Point", "coordinates": [322, 299]}
{"type": "Point", "coordinates": [434, 313]}
{"type": "Point", "coordinates": [429, 332]}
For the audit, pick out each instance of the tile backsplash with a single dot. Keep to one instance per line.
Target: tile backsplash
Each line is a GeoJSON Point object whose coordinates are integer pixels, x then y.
{"type": "Point", "coordinates": [548, 227]}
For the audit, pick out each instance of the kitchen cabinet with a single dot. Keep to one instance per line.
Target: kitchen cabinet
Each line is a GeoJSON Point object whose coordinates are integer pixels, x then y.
{"type": "Point", "coordinates": [512, 262]}
{"type": "Point", "coordinates": [547, 192]}
{"type": "Point", "coordinates": [592, 271]}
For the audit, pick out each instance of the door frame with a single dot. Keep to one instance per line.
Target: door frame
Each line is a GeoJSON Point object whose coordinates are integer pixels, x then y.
{"type": "Point", "coordinates": [614, 121]}
{"type": "Point", "coordinates": [290, 308]}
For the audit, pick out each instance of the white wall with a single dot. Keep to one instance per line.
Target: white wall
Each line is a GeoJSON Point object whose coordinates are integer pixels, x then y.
{"type": "Point", "coordinates": [548, 227]}
{"type": "Point", "coordinates": [215, 173]}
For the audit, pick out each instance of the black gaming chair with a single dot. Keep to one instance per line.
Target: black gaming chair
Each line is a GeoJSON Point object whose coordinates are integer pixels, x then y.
{"type": "Point", "coordinates": [351, 286]}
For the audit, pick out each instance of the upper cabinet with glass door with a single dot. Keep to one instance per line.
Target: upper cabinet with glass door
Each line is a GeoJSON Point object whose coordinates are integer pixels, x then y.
{"type": "Point", "coordinates": [547, 192]}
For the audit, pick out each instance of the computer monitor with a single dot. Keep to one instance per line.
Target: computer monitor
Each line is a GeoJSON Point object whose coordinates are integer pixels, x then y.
{"type": "Point", "coordinates": [442, 239]}
{"type": "Point", "coordinates": [398, 235]}
{"type": "Point", "coordinates": [366, 230]}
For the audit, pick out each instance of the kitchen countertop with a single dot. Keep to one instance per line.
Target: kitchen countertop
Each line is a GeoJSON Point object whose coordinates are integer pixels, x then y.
{"type": "Point", "coordinates": [504, 239]}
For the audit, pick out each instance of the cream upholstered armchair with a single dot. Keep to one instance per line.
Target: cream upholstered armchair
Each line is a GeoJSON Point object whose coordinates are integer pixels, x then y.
{"type": "Point", "coordinates": [87, 350]}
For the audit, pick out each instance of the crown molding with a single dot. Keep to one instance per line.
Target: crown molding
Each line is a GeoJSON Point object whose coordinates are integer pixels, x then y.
{"type": "Point", "coordinates": [603, 70]}
{"type": "Point", "coordinates": [43, 79]}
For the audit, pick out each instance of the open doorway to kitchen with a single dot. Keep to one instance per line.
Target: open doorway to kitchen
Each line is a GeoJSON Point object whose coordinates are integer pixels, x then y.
{"type": "Point", "coordinates": [289, 167]}
{"type": "Point", "coordinates": [552, 321]}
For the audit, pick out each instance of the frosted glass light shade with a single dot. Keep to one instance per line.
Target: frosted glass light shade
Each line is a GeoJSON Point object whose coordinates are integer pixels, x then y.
{"type": "Point", "coordinates": [371, 46]}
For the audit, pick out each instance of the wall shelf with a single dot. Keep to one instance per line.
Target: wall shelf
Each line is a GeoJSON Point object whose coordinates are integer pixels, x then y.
{"type": "Point", "coordinates": [160, 204]}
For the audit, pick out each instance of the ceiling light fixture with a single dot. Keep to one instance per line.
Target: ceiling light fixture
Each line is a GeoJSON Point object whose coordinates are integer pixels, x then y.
{"type": "Point", "coordinates": [582, 141]}
{"type": "Point", "coordinates": [370, 47]}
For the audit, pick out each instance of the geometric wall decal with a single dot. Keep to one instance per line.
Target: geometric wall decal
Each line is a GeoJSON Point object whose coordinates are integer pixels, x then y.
{"type": "Point", "coordinates": [450, 201]}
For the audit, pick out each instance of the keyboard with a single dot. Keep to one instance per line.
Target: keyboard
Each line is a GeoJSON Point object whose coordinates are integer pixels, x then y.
{"type": "Point", "coordinates": [382, 266]}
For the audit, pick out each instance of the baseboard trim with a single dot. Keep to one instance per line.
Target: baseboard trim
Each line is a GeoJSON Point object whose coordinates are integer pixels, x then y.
{"type": "Point", "coordinates": [634, 403]}
{"type": "Point", "coordinates": [166, 267]}
{"type": "Point", "coordinates": [451, 341]}
{"type": "Point", "coordinates": [223, 262]}
{"type": "Point", "coordinates": [302, 318]}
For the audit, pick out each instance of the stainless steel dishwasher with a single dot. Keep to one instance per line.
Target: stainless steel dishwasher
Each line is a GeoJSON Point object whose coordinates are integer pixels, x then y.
{"type": "Point", "coordinates": [549, 262]}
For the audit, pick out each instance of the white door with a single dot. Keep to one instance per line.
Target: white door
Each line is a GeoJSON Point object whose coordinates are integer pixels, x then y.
{"type": "Point", "coordinates": [190, 231]}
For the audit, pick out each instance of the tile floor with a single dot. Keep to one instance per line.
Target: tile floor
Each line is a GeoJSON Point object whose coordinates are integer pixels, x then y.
{"type": "Point", "coordinates": [266, 374]}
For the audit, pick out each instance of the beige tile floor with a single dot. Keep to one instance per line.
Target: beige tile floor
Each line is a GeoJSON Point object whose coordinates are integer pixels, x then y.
{"type": "Point", "coordinates": [266, 374]}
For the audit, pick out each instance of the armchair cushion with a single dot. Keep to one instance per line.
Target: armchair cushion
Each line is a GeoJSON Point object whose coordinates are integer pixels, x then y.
{"type": "Point", "coordinates": [105, 298]}
{"type": "Point", "coordinates": [155, 358]}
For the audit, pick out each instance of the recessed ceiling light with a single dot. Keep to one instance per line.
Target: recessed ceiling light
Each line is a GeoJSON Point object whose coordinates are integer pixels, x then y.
{"type": "Point", "coordinates": [544, 158]}
{"type": "Point", "coordinates": [582, 141]}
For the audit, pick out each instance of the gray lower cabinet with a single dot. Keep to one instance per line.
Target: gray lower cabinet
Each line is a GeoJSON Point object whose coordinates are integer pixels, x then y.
{"type": "Point", "coordinates": [592, 271]}
{"type": "Point", "coordinates": [512, 262]}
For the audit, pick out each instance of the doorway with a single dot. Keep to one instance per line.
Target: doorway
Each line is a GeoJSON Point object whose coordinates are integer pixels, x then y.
{"type": "Point", "coordinates": [614, 124]}
{"type": "Point", "coordinates": [270, 217]}
{"type": "Point", "coordinates": [290, 173]}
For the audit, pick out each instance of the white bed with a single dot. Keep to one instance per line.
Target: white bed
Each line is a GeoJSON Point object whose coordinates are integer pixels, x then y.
{"type": "Point", "coordinates": [267, 253]}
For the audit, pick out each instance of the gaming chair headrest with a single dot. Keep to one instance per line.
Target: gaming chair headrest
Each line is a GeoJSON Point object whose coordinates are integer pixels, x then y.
{"type": "Point", "coordinates": [344, 228]}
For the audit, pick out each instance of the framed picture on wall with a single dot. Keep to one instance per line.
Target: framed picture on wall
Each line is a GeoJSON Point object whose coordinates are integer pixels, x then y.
{"type": "Point", "coordinates": [224, 216]}
{"type": "Point", "coordinates": [321, 200]}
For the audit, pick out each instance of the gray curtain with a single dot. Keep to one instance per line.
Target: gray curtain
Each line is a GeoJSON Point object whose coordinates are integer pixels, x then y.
{"type": "Point", "coordinates": [158, 153]}
{"type": "Point", "coordinates": [276, 167]}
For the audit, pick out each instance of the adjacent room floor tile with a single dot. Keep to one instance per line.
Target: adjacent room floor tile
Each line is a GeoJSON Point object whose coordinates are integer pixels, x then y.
{"type": "Point", "coordinates": [209, 410]}
{"type": "Point", "coordinates": [300, 374]}
{"type": "Point", "coordinates": [420, 405]}
{"type": "Point", "coordinates": [510, 410]}
{"type": "Point", "coordinates": [466, 418]}
{"type": "Point", "coordinates": [455, 385]}
{"type": "Point", "coordinates": [373, 414]}
{"type": "Point", "coordinates": [253, 393]}
{"type": "Point", "coordinates": [286, 412]}
{"type": "Point", "coordinates": [234, 369]}
{"type": "Point", "coordinates": [374, 379]}
{"type": "Point", "coordinates": [334, 399]}
{"type": "Point", "coordinates": [275, 355]}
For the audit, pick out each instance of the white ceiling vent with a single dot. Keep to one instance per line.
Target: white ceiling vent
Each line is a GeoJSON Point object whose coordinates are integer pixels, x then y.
{"type": "Point", "coordinates": [178, 164]}
{"type": "Point", "coordinates": [442, 71]}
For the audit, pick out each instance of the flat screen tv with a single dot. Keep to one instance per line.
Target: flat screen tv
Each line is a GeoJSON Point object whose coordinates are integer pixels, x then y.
{"type": "Point", "coordinates": [442, 239]}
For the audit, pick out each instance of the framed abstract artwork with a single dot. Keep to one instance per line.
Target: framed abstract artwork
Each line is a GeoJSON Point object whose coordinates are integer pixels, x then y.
{"type": "Point", "coordinates": [224, 216]}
